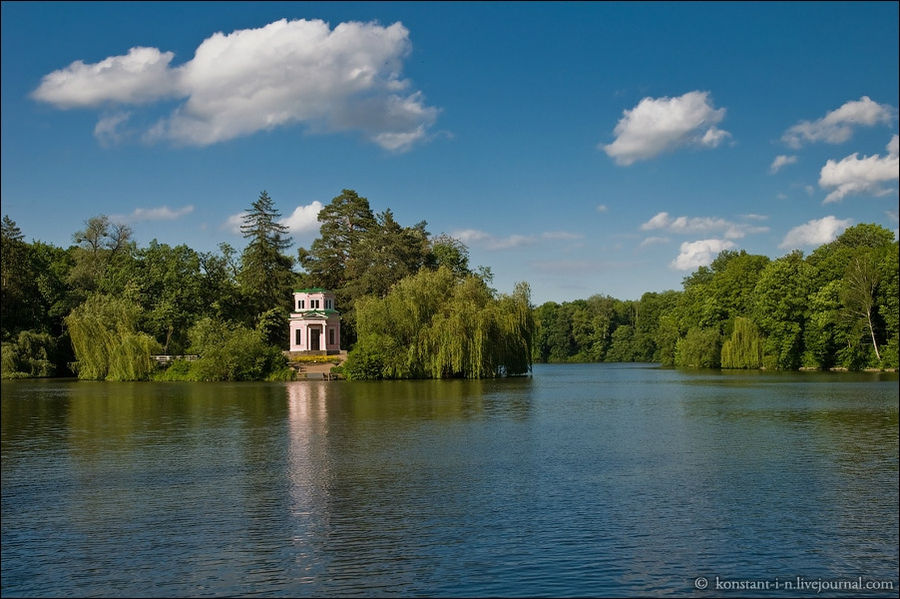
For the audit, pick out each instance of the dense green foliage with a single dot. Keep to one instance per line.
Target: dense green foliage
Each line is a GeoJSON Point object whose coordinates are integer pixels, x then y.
{"type": "Point", "coordinates": [360, 254]}
{"type": "Point", "coordinates": [266, 273]}
{"type": "Point", "coordinates": [437, 324]}
{"type": "Point", "coordinates": [136, 299]}
{"type": "Point", "coordinates": [227, 353]}
{"type": "Point", "coordinates": [837, 307]}
{"type": "Point", "coordinates": [106, 341]}
{"type": "Point", "coordinates": [744, 348]}
{"type": "Point", "coordinates": [102, 305]}
{"type": "Point", "coordinates": [31, 355]}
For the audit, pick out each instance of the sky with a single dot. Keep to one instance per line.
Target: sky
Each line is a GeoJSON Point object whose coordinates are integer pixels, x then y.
{"type": "Point", "coordinates": [586, 148]}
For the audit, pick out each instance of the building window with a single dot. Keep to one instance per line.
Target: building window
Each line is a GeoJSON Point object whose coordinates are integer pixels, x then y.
{"type": "Point", "coordinates": [301, 304]}
{"type": "Point", "coordinates": [298, 337]}
{"type": "Point", "coordinates": [328, 304]}
{"type": "Point", "coordinates": [314, 304]}
{"type": "Point", "coordinates": [330, 336]}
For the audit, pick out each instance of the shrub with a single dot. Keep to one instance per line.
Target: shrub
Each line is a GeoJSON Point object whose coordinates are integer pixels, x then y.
{"type": "Point", "coordinates": [232, 353]}
{"type": "Point", "coordinates": [698, 349]}
{"type": "Point", "coordinates": [30, 355]}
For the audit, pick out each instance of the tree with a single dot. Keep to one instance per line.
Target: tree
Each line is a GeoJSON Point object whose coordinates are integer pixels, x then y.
{"type": "Point", "coordinates": [232, 353]}
{"type": "Point", "coordinates": [101, 245]}
{"type": "Point", "coordinates": [859, 292]}
{"type": "Point", "coordinates": [31, 355]}
{"type": "Point", "coordinates": [384, 254]}
{"type": "Point", "coordinates": [744, 348]}
{"type": "Point", "coordinates": [106, 341]}
{"type": "Point", "coordinates": [698, 349]}
{"type": "Point", "coordinates": [344, 223]}
{"type": "Point", "coordinates": [266, 274]}
{"type": "Point", "coordinates": [888, 299]}
{"type": "Point", "coordinates": [436, 325]}
{"type": "Point", "coordinates": [781, 309]}
{"type": "Point", "coordinates": [450, 252]}
{"type": "Point", "coordinates": [15, 280]}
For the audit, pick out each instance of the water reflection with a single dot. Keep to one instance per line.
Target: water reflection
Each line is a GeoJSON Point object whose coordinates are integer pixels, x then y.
{"type": "Point", "coordinates": [580, 480]}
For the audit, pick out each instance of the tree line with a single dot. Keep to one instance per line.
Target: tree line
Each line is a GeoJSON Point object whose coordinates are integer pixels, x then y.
{"type": "Point", "coordinates": [835, 308]}
{"type": "Point", "coordinates": [101, 306]}
{"type": "Point", "coordinates": [413, 307]}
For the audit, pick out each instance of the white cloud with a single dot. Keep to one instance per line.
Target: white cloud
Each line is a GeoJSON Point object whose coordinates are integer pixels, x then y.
{"type": "Point", "coordinates": [683, 225]}
{"type": "Point", "coordinates": [303, 218]}
{"type": "Point", "coordinates": [143, 75]}
{"type": "Point", "coordinates": [854, 175]}
{"type": "Point", "coordinates": [781, 161]}
{"type": "Point", "coordinates": [160, 213]}
{"type": "Point", "coordinates": [699, 253]}
{"type": "Point", "coordinates": [233, 223]}
{"type": "Point", "coordinates": [809, 189]}
{"type": "Point", "coordinates": [561, 235]}
{"type": "Point", "coordinates": [657, 125]}
{"type": "Point", "coordinates": [285, 73]}
{"type": "Point", "coordinates": [837, 126]}
{"type": "Point", "coordinates": [755, 216]}
{"type": "Point", "coordinates": [601, 208]}
{"type": "Point", "coordinates": [108, 130]}
{"type": "Point", "coordinates": [654, 240]}
{"type": "Point", "coordinates": [815, 232]}
{"type": "Point", "coordinates": [489, 242]}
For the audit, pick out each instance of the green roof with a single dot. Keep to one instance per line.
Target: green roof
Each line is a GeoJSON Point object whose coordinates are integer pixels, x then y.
{"type": "Point", "coordinates": [311, 312]}
{"type": "Point", "coordinates": [312, 290]}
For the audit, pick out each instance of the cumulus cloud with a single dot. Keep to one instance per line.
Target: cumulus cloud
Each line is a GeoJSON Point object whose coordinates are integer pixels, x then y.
{"type": "Point", "coordinates": [285, 73]}
{"type": "Point", "coordinates": [781, 161]}
{"type": "Point", "coordinates": [837, 126]}
{"type": "Point", "coordinates": [815, 232]}
{"type": "Point", "coordinates": [703, 224]}
{"type": "Point", "coordinates": [233, 223]}
{"type": "Point", "coordinates": [854, 175]}
{"type": "Point", "coordinates": [303, 218]}
{"type": "Point", "coordinates": [658, 125]}
{"type": "Point", "coordinates": [699, 253]}
{"type": "Point", "coordinates": [143, 75]}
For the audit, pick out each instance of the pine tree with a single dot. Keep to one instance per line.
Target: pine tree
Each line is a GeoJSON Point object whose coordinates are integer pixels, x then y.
{"type": "Point", "coordinates": [266, 274]}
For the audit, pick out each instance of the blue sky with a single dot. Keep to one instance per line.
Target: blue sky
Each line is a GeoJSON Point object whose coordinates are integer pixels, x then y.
{"type": "Point", "coordinates": [585, 148]}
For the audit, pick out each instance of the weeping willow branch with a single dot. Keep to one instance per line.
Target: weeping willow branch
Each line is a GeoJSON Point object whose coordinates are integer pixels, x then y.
{"type": "Point", "coordinates": [106, 341]}
{"type": "Point", "coordinates": [438, 325]}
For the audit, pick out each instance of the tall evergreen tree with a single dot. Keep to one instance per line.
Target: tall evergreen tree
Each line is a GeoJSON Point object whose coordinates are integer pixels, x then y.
{"type": "Point", "coordinates": [266, 274]}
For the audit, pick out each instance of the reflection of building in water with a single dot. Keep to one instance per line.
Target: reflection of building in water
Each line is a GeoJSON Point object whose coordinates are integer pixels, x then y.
{"type": "Point", "coordinates": [308, 459]}
{"type": "Point", "coordinates": [306, 402]}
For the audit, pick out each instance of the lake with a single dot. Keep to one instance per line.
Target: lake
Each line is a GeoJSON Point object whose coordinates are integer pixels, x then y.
{"type": "Point", "coordinates": [593, 479]}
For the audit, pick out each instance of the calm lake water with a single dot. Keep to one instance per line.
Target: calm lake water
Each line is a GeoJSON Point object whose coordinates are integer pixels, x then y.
{"type": "Point", "coordinates": [579, 480]}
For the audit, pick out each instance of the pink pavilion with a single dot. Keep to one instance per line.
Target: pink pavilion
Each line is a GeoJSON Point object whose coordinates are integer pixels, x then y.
{"type": "Point", "coordinates": [315, 324]}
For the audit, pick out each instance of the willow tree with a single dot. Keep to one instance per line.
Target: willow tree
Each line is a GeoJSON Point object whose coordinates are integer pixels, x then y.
{"type": "Point", "coordinates": [106, 341]}
{"type": "Point", "coordinates": [744, 348]}
{"type": "Point", "coordinates": [436, 324]}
